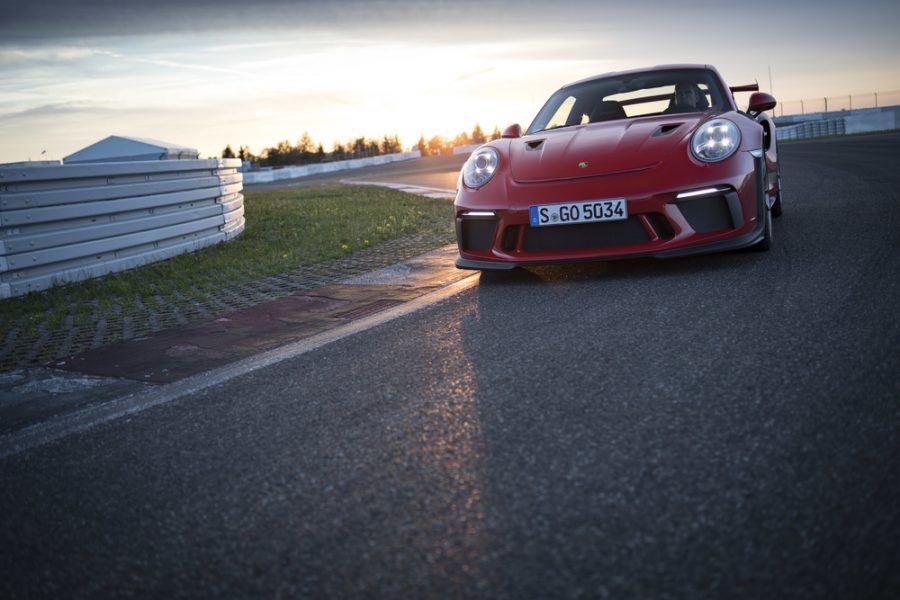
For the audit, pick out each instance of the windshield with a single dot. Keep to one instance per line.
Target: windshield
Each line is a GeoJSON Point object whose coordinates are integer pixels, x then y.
{"type": "Point", "coordinates": [629, 96]}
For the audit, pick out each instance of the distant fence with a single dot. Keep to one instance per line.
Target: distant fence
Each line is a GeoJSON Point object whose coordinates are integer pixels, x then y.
{"type": "Point", "coordinates": [270, 175]}
{"type": "Point", "coordinates": [849, 102]}
{"type": "Point", "coordinates": [65, 223]}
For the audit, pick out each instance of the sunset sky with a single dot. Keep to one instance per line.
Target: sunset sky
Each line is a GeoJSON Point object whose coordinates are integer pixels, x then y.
{"type": "Point", "coordinates": [208, 73]}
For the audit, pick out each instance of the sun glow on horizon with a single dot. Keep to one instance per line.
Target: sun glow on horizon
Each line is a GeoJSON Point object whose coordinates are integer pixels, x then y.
{"type": "Point", "coordinates": [208, 96]}
{"type": "Point", "coordinates": [258, 87]}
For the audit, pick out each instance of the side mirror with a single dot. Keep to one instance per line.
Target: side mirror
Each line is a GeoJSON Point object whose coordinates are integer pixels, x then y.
{"type": "Point", "coordinates": [513, 131]}
{"type": "Point", "coordinates": [760, 102]}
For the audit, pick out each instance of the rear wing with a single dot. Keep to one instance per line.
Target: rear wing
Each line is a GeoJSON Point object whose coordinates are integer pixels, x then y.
{"type": "Point", "coordinates": [750, 87]}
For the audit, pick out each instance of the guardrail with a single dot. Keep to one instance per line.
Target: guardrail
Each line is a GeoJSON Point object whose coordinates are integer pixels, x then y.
{"type": "Point", "coordinates": [64, 223]}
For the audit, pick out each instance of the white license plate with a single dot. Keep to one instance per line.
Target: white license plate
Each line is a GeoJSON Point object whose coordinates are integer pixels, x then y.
{"type": "Point", "coordinates": [589, 211]}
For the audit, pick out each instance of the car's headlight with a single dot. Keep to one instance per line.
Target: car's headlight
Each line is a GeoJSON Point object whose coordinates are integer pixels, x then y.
{"type": "Point", "coordinates": [480, 167]}
{"type": "Point", "coordinates": [715, 140]}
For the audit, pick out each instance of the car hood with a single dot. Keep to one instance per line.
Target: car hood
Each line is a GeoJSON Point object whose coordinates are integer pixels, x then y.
{"type": "Point", "coordinates": [599, 148]}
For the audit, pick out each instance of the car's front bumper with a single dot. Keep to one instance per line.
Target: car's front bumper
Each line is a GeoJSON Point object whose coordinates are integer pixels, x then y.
{"type": "Point", "coordinates": [661, 224]}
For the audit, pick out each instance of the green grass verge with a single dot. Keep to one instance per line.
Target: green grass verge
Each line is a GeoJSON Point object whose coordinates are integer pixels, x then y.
{"type": "Point", "coordinates": [286, 229]}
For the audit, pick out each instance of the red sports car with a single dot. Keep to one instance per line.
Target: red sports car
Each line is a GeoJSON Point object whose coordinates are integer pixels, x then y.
{"type": "Point", "coordinates": [653, 162]}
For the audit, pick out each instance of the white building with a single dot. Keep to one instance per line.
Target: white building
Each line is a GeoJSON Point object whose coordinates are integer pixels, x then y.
{"type": "Point", "coordinates": [117, 148]}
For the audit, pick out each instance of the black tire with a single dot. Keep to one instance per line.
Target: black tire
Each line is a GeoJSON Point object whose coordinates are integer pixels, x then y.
{"type": "Point", "coordinates": [766, 242]}
{"type": "Point", "coordinates": [776, 208]}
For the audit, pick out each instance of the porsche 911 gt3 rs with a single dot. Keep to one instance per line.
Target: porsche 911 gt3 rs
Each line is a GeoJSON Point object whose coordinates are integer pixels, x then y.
{"type": "Point", "coordinates": [654, 162]}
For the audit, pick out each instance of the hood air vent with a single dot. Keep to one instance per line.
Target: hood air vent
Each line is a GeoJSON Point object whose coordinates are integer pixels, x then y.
{"type": "Point", "coordinates": [666, 129]}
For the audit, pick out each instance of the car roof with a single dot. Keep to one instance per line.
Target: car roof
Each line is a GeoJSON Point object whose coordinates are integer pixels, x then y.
{"type": "Point", "coordinates": [646, 70]}
{"type": "Point", "coordinates": [728, 97]}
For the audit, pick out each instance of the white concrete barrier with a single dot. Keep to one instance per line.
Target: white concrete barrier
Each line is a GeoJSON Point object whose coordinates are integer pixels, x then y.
{"type": "Point", "coordinates": [838, 123]}
{"type": "Point", "coordinates": [271, 175]}
{"type": "Point", "coordinates": [466, 149]}
{"type": "Point", "coordinates": [881, 121]}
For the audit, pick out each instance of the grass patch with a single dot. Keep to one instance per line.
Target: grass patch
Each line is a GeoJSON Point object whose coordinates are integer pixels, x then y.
{"type": "Point", "coordinates": [286, 229]}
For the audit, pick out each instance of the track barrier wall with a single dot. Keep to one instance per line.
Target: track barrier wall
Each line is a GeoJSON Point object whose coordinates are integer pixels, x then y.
{"type": "Point", "coordinates": [64, 223]}
{"type": "Point", "coordinates": [798, 127]}
{"type": "Point", "coordinates": [270, 175]}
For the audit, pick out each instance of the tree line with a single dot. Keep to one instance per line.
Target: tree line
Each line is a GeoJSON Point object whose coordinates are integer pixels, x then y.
{"type": "Point", "coordinates": [305, 151]}
{"type": "Point", "coordinates": [438, 145]}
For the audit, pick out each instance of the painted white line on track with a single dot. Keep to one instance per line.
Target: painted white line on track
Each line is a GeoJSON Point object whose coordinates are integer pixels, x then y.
{"type": "Point", "coordinates": [64, 425]}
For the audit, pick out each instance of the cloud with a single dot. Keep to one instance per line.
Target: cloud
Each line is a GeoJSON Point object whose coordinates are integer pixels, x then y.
{"type": "Point", "coordinates": [55, 109]}
{"type": "Point", "coordinates": [15, 56]}
{"type": "Point", "coordinates": [103, 18]}
{"type": "Point", "coordinates": [185, 65]}
{"type": "Point", "coordinates": [474, 74]}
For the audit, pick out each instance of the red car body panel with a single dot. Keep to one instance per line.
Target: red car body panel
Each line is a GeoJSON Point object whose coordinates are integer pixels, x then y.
{"type": "Point", "coordinates": [624, 158]}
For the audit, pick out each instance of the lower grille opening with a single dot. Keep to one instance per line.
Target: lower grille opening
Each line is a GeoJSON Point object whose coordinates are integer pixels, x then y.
{"type": "Point", "coordinates": [585, 236]}
{"type": "Point", "coordinates": [708, 214]}
{"type": "Point", "coordinates": [475, 234]}
{"type": "Point", "coordinates": [510, 237]}
{"type": "Point", "coordinates": [661, 225]}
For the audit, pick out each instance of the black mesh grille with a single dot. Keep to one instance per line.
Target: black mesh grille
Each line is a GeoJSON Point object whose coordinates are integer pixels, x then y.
{"type": "Point", "coordinates": [585, 235]}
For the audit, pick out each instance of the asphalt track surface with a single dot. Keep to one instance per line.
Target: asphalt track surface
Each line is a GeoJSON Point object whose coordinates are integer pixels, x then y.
{"type": "Point", "coordinates": [723, 426]}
